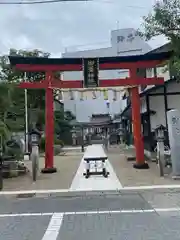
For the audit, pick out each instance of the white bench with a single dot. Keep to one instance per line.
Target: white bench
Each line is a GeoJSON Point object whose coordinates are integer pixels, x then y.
{"type": "Point", "coordinates": [95, 153]}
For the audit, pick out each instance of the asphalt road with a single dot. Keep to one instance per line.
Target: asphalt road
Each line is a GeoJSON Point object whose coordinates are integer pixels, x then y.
{"type": "Point", "coordinates": [135, 216]}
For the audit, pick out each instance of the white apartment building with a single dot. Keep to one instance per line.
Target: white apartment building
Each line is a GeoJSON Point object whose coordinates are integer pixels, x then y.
{"type": "Point", "coordinates": [123, 42]}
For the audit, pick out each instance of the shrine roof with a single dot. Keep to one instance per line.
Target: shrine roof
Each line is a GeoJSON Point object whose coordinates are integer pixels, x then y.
{"type": "Point", "coordinates": [62, 61]}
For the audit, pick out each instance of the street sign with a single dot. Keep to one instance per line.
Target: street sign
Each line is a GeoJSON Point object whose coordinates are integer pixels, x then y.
{"type": "Point", "coordinates": [91, 72]}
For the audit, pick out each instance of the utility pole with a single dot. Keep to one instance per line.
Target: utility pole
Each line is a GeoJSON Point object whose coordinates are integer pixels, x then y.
{"type": "Point", "coordinates": [26, 157]}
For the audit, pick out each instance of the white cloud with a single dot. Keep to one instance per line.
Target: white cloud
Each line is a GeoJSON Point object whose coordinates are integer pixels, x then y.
{"type": "Point", "coordinates": [52, 27]}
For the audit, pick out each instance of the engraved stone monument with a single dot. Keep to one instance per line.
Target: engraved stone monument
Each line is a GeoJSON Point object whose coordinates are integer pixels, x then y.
{"type": "Point", "coordinates": [173, 118]}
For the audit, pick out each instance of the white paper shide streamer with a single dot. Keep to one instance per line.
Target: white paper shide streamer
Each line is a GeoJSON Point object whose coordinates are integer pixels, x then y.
{"type": "Point", "coordinates": [88, 93]}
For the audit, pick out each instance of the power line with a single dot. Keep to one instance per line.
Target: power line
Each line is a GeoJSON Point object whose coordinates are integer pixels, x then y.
{"type": "Point", "coordinates": [25, 2]}
{"type": "Point", "coordinates": [40, 2]}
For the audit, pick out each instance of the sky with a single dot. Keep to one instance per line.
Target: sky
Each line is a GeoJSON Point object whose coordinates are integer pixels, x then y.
{"type": "Point", "coordinates": [57, 27]}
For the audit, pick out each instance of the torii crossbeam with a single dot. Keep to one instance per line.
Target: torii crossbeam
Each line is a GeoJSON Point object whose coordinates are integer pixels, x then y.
{"type": "Point", "coordinates": [49, 66]}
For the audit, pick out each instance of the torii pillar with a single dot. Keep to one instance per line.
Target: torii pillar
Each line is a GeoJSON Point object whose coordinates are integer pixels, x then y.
{"type": "Point", "coordinates": [49, 84]}
{"type": "Point", "coordinates": [136, 122]}
{"type": "Point", "coordinates": [49, 128]}
{"type": "Point", "coordinates": [49, 118]}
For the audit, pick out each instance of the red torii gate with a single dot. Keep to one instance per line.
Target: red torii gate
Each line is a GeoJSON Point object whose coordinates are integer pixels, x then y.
{"type": "Point", "coordinates": [50, 65]}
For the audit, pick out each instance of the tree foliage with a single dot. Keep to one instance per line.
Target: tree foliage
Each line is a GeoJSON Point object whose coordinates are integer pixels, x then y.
{"type": "Point", "coordinates": [12, 98]}
{"type": "Point", "coordinates": [11, 74]}
{"type": "Point", "coordinates": [164, 19]}
{"type": "Point", "coordinates": [63, 121]}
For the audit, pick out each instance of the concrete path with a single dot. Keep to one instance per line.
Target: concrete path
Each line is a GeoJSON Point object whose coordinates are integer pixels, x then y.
{"type": "Point", "coordinates": [80, 183]}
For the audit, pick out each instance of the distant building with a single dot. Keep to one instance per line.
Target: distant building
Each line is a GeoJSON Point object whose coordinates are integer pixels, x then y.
{"type": "Point", "coordinates": [123, 42]}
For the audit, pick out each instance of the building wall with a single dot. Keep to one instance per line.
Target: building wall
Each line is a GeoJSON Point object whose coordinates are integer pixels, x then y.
{"type": "Point", "coordinates": [84, 109]}
{"type": "Point", "coordinates": [160, 72]}
{"type": "Point", "coordinates": [173, 87]}
{"type": "Point", "coordinates": [143, 105]}
{"type": "Point", "coordinates": [173, 101]}
{"type": "Point", "coordinates": [123, 42]}
{"type": "Point", "coordinates": [156, 103]}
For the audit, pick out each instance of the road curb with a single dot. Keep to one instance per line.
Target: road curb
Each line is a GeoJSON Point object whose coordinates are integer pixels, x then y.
{"type": "Point", "coordinates": [68, 193]}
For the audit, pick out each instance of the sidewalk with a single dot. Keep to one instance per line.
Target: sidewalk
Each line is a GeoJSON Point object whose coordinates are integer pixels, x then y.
{"type": "Point", "coordinates": [129, 176]}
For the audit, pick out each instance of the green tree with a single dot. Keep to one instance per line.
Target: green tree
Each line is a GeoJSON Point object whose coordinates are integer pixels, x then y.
{"type": "Point", "coordinates": [36, 98]}
{"type": "Point", "coordinates": [12, 105]}
{"type": "Point", "coordinates": [11, 111]}
{"type": "Point", "coordinates": [63, 121]}
{"type": "Point", "coordinates": [11, 74]}
{"type": "Point", "coordinates": [164, 19]}
{"type": "Point", "coordinates": [63, 125]}
{"type": "Point", "coordinates": [69, 116]}
{"type": "Point", "coordinates": [4, 106]}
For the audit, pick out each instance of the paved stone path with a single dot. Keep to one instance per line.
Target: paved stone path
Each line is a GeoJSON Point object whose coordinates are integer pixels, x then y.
{"type": "Point", "coordinates": [80, 183]}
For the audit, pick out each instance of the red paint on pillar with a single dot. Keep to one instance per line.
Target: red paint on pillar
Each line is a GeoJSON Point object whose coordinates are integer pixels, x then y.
{"type": "Point", "coordinates": [49, 126]}
{"type": "Point", "coordinates": [136, 121]}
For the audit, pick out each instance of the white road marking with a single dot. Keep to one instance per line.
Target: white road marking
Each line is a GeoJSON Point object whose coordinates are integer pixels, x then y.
{"type": "Point", "coordinates": [25, 214]}
{"type": "Point", "coordinates": [54, 226]}
{"type": "Point", "coordinates": [176, 209]}
{"type": "Point", "coordinates": [57, 217]}
{"type": "Point", "coordinates": [43, 191]}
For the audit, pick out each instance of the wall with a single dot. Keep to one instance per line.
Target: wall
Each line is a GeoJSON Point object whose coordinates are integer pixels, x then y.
{"type": "Point", "coordinates": [173, 87]}
{"type": "Point", "coordinates": [102, 52]}
{"type": "Point", "coordinates": [129, 46]}
{"type": "Point", "coordinates": [123, 40]}
{"type": "Point", "coordinates": [84, 109]}
{"type": "Point", "coordinates": [161, 72]}
{"type": "Point", "coordinates": [173, 101]}
{"type": "Point", "coordinates": [156, 103]}
{"type": "Point", "coordinates": [103, 74]}
{"type": "Point", "coordinates": [143, 105]}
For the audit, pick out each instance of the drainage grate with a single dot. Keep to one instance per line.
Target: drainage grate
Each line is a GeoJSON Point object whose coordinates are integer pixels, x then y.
{"type": "Point", "coordinates": [26, 195]}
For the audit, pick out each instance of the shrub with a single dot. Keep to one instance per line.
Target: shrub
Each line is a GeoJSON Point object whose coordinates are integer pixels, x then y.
{"type": "Point", "coordinates": [42, 144]}
{"type": "Point", "coordinates": [56, 142]}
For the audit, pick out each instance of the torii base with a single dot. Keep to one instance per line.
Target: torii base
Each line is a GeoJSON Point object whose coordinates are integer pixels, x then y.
{"type": "Point", "coordinates": [49, 170]}
{"type": "Point", "coordinates": [141, 166]}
